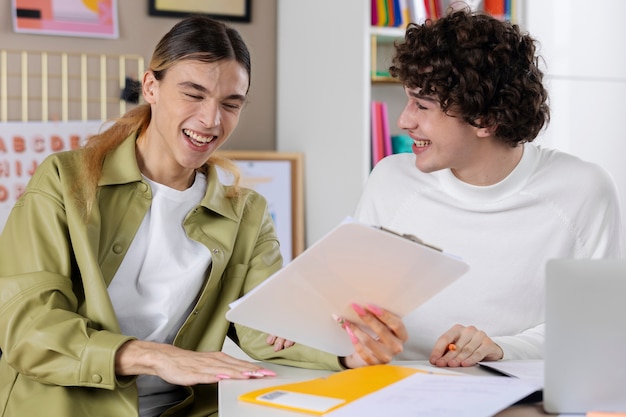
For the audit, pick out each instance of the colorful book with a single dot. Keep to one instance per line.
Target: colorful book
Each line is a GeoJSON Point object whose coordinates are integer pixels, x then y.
{"type": "Point", "coordinates": [374, 12]}
{"type": "Point", "coordinates": [386, 133]}
{"type": "Point", "coordinates": [378, 151]}
{"type": "Point", "coordinates": [383, 16]}
{"type": "Point", "coordinates": [495, 8]}
{"type": "Point", "coordinates": [417, 9]}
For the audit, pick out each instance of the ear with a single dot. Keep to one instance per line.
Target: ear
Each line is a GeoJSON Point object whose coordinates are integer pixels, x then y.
{"type": "Point", "coordinates": [149, 87]}
{"type": "Point", "coordinates": [484, 132]}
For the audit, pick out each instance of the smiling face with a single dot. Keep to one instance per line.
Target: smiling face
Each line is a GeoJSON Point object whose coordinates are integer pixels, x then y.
{"type": "Point", "coordinates": [442, 141]}
{"type": "Point", "coordinates": [195, 107]}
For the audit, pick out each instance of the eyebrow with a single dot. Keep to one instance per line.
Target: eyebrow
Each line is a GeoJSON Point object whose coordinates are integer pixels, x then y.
{"type": "Point", "coordinates": [422, 97]}
{"type": "Point", "coordinates": [202, 89]}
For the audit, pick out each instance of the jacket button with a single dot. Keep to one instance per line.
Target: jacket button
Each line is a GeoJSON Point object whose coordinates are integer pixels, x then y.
{"type": "Point", "coordinates": [96, 378]}
{"type": "Point", "coordinates": [117, 249]}
{"type": "Point", "coordinates": [216, 251]}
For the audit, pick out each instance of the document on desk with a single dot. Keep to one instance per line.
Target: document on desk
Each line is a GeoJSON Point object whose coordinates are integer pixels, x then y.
{"type": "Point", "coordinates": [531, 370]}
{"type": "Point", "coordinates": [395, 391]}
{"type": "Point", "coordinates": [354, 263]}
{"type": "Point", "coordinates": [429, 395]}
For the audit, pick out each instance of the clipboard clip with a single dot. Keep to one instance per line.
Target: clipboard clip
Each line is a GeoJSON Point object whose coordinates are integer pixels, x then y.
{"type": "Point", "coordinates": [411, 237]}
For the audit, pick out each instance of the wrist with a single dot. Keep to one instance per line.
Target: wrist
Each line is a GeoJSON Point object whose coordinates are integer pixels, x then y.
{"type": "Point", "coordinates": [136, 357]}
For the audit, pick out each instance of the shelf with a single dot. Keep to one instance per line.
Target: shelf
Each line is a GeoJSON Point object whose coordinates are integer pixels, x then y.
{"type": "Point", "coordinates": [382, 37]}
{"type": "Point", "coordinates": [387, 34]}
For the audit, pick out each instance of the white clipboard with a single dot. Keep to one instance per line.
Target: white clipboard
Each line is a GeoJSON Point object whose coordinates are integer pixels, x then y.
{"type": "Point", "coordinates": [353, 263]}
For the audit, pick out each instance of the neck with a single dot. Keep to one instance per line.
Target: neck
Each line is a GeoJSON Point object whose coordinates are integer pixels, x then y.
{"type": "Point", "coordinates": [499, 163]}
{"type": "Point", "coordinates": [155, 167]}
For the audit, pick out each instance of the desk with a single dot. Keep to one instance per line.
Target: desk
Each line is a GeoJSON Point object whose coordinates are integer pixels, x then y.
{"type": "Point", "coordinates": [229, 391]}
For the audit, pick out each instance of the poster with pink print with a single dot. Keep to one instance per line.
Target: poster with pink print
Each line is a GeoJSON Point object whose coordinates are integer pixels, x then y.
{"type": "Point", "coordinates": [85, 18]}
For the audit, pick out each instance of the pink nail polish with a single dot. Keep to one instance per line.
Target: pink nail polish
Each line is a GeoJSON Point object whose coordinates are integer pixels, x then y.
{"type": "Point", "coordinates": [375, 309]}
{"type": "Point", "coordinates": [353, 337]}
{"type": "Point", "coordinates": [256, 374]}
{"type": "Point", "coordinates": [222, 376]}
{"type": "Point", "coordinates": [358, 309]}
{"type": "Point", "coordinates": [267, 372]}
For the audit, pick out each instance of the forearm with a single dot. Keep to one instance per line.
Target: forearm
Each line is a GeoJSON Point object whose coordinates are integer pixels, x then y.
{"type": "Point", "coordinates": [526, 345]}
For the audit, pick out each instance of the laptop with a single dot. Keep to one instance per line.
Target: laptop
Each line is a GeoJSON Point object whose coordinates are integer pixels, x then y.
{"type": "Point", "coordinates": [585, 339]}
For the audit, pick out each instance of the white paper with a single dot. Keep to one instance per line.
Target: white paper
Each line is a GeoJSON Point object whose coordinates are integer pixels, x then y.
{"type": "Point", "coordinates": [427, 395]}
{"type": "Point", "coordinates": [354, 263]}
{"type": "Point", "coordinates": [531, 370]}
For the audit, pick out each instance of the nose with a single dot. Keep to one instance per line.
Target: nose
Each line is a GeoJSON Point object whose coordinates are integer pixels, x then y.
{"type": "Point", "coordinates": [210, 115]}
{"type": "Point", "coordinates": [405, 122]}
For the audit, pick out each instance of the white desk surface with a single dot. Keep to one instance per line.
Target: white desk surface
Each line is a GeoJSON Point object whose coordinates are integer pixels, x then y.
{"type": "Point", "coordinates": [229, 391]}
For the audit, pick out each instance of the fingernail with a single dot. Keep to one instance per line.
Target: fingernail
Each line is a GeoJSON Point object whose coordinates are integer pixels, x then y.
{"type": "Point", "coordinates": [353, 337]}
{"type": "Point", "coordinates": [359, 310]}
{"type": "Point", "coordinates": [375, 309]}
{"type": "Point", "coordinates": [267, 372]}
{"type": "Point", "coordinates": [338, 319]}
{"type": "Point", "coordinates": [222, 376]}
{"type": "Point", "coordinates": [257, 374]}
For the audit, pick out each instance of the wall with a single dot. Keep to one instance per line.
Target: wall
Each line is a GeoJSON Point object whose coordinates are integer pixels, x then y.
{"type": "Point", "coordinates": [585, 66]}
{"type": "Point", "coordinates": [139, 33]}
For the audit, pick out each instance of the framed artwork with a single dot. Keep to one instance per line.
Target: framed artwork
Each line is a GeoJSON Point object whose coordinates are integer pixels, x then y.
{"type": "Point", "coordinates": [85, 18]}
{"type": "Point", "coordinates": [233, 10]}
{"type": "Point", "coordinates": [278, 177]}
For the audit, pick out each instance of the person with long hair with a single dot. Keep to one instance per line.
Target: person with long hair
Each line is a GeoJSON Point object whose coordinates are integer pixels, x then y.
{"type": "Point", "coordinates": [119, 261]}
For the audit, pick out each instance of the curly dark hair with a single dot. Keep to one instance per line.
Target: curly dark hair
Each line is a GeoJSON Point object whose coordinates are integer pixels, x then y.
{"type": "Point", "coordinates": [480, 69]}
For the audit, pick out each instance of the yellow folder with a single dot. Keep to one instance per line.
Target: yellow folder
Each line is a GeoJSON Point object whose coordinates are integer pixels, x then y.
{"type": "Point", "coordinates": [321, 395]}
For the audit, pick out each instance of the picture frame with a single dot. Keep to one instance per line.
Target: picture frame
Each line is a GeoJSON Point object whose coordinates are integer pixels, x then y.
{"type": "Point", "coordinates": [231, 10]}
{"type": "Point", "coordinates": [66, 18]}
{"type": "Point", "coordinates": [278, 176]}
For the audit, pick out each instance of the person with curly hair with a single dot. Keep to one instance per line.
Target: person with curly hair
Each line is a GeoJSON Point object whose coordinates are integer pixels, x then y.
{"type": "Point", "coordinates": [477, 186]}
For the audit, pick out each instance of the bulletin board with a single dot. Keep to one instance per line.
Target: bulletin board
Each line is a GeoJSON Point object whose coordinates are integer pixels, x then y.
{"type": "Point", "coordinates": [278, 177]}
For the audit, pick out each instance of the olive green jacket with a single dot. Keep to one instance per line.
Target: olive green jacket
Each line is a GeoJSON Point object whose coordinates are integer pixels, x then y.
{"type": "Point", "coordinates": [58, 330]}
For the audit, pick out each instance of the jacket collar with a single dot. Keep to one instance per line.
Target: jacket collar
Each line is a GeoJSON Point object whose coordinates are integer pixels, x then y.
{"type": "Point", "coordinates": [120, 167]}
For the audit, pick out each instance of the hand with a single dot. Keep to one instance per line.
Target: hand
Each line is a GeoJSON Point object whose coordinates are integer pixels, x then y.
{"type": "Point", "coordinates": [470, 347]}
{"type": "Point", "coordinates": [279, 343]}
{"type": "Point", "coordinates": [180, 366]}
{"type": "Point", "coordinates": [384, 339]}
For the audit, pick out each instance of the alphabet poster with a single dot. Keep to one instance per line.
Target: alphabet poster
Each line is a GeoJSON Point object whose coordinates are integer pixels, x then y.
{"type": "Point", "coordinates": [23, 146]}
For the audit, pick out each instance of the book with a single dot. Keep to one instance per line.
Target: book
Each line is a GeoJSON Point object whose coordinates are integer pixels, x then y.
{"type": "Point", "coordinates": [378, 151]}
{"type": "Point", "coordinates": [353, 263]}
{"type": "Point", "coordinates": [386, 133]}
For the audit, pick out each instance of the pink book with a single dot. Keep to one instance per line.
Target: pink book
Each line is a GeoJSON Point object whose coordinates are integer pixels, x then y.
{"type": "Point", "coordinates": [377, 133]}
{"type": "Point", "coordinates": [386, 133]}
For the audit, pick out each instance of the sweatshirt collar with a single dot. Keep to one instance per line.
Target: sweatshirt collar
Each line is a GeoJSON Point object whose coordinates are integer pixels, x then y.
{"type": "Point", "coordinates": [510, 185]}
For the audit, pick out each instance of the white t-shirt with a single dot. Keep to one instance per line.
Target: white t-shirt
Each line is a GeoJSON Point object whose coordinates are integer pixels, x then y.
{"type": "Point", "coordinates": [552, 205]}
{"type": "Point", "coordinates": [158, 281]}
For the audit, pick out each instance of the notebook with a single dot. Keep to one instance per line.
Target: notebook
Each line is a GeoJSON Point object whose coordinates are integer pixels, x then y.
{"type": "Point", "coordinates": [585, 337]}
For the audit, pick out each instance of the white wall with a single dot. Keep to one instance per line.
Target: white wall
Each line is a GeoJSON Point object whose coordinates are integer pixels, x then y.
{"type": "Point", "coordinates": [584, 47]}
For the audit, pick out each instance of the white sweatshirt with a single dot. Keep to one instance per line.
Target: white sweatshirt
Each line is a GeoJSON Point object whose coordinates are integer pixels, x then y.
{"type": "Point", "coordinates": [553, 205]}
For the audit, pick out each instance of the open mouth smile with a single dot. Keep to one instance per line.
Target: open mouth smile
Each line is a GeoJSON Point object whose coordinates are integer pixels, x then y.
{"type": "Point", "coordinates": [198, 139]}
